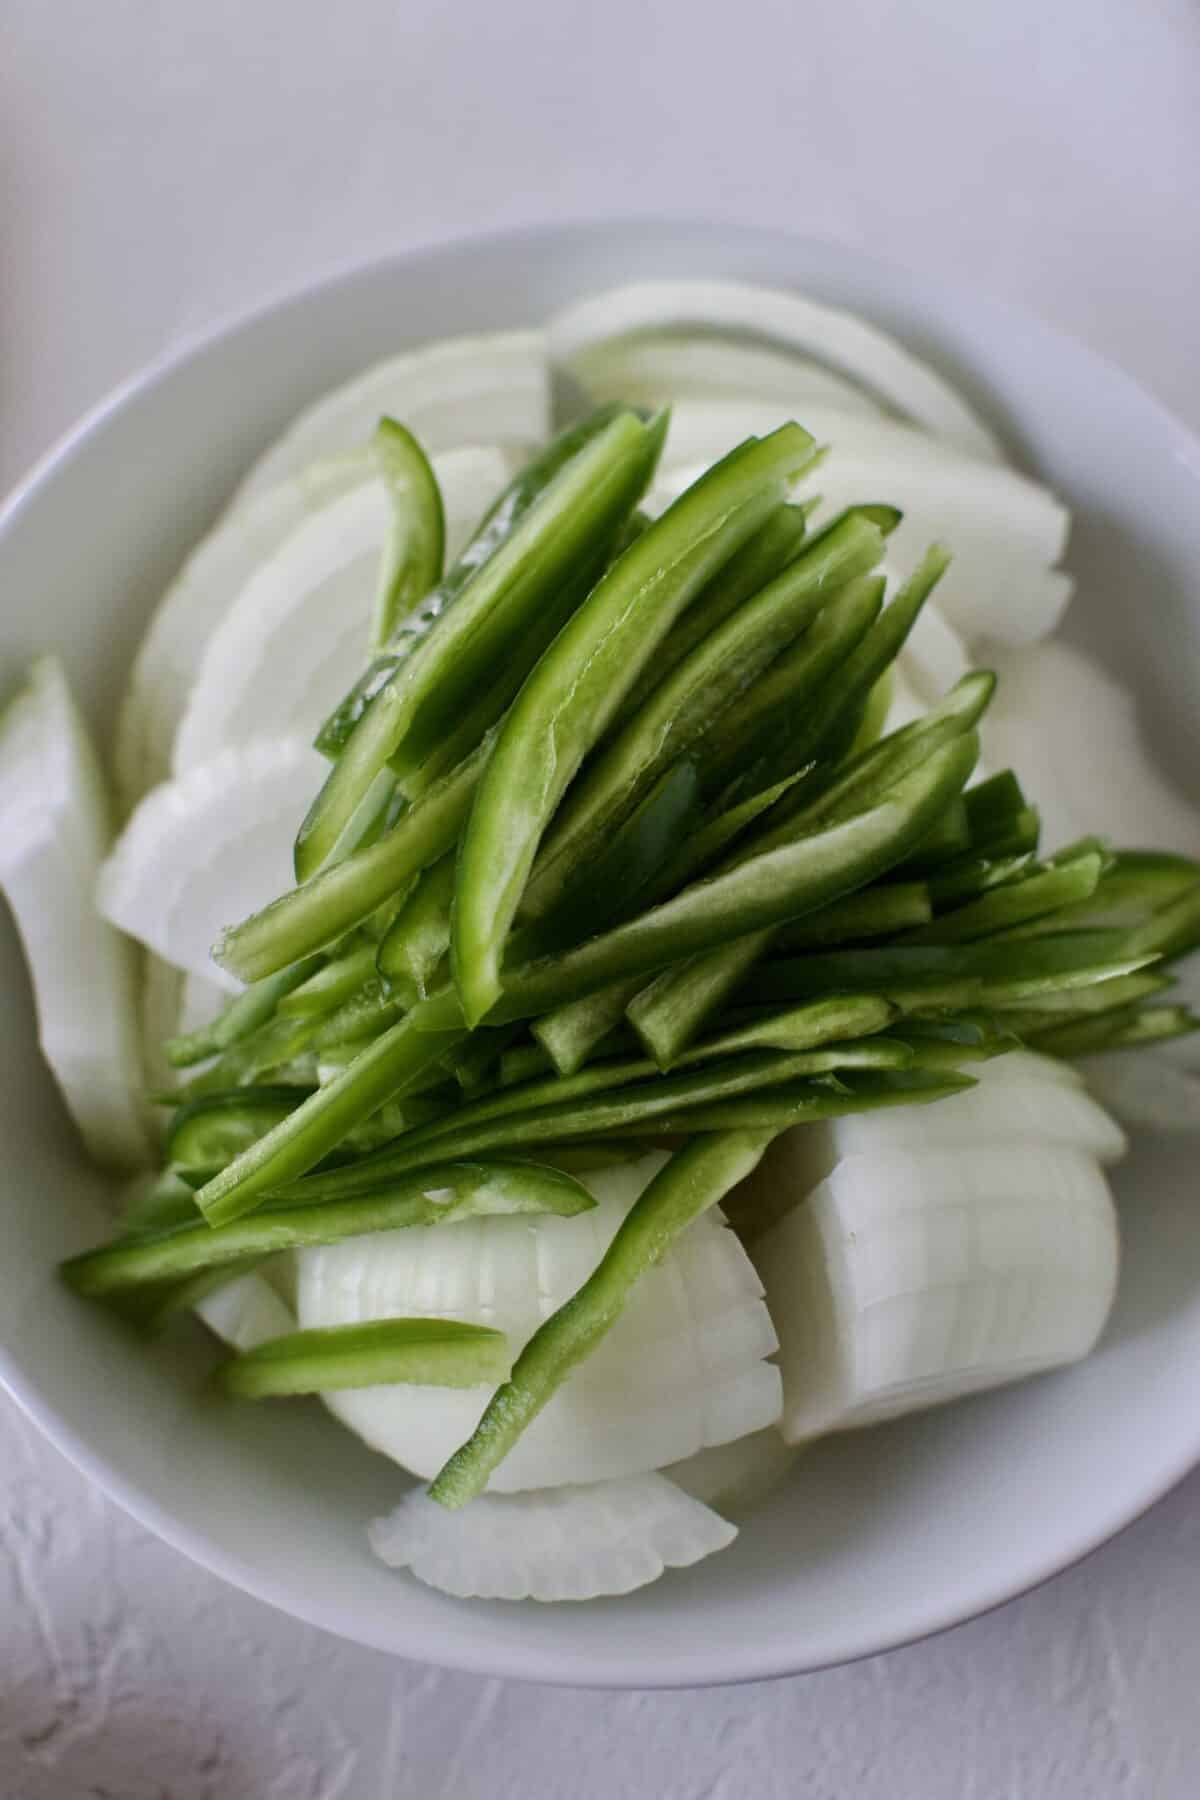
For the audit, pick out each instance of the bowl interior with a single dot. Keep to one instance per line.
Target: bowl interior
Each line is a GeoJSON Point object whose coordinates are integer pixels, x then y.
{"type": "Point", "coordinates": [880, 1536]}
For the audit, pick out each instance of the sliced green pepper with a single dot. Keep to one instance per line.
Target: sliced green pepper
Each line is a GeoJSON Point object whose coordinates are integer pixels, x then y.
{"type": "Point", "coordinates": [430, 1352]}
{"type": "Point", "coordinates": [416, 544]}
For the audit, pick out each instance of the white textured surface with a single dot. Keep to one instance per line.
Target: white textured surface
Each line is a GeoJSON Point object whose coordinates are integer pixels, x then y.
{"type": "Point", "coordinates": [167, 165]}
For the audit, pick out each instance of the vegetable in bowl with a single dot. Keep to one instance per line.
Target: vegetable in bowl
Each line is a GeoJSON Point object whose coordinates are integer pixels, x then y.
{"type": "Point", "coordinates": [768, 909]}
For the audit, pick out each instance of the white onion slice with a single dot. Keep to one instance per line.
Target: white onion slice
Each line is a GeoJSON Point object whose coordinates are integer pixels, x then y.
{"type": "Point", "coordinates": [1005, 531]}
{"type": "Point", "coordinates": [847, 343]}
{"type": "Point", "coordinates": [736, 1477]}
{"type": "Point", "coordinates": [567, 1543]}
{"type": "Point", "coordinates": [912, 1277]}
{"type": "Point", "coordinates": [245, 1311]}
{"type": "Point", "coordinates": [1070, 730]}
{"type": "Point", "coordinates": [492, 389]}
{"type": "Point", "coordinates": [54, 830]}
{"type": "Point", "coordinates": [204, 851]}
{"type": "Point", "coordinates": [681, 1369]}
{"type": "Point", "coordinates": [196, 602]}
{"type": "Point", "coordinates": [293, 638]}
{"type": "Point", "coordinates": [663, 368]}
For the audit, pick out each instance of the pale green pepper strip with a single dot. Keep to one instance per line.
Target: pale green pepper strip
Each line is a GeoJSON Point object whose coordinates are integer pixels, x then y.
{"type": "Point", "coordinates": [325, 908]}
{"type": "Point", "coordinates": [419, 935]}
{"type": "Point", "coordinates": [453, 1190]}
{"type": "Point", "coordinates": [689, 703]}
{"type": "Point", "coordinates": [429, 1352]}
{"type": "Point", "coordinates": [573, 519]}
{"type": "Point", "coordinates": [242, 1017]}
{"type": "Point", "coordinates": [334, 982]}
{"type": "Point", "coordinates": [575, 690]}
{"type": "Point", "coordinates": [571, 1033]}
{"type": "Point", "coordinates": [416, 544]}
{"type": "Point", "coordinates": [696, 1178]}
{"type": "Point", "coordinates": [396, 1060]}
{"type": "Point", "coordinates": [1118, 1030]}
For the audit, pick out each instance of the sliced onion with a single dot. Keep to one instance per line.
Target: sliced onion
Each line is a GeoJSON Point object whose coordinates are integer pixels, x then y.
{"type": "Point", "coordinates": [911, 1277]}
{"type": "Point", "coordinates": [54, 830]}
{"type": "Point", "coordinates": [790, 321]}
{"type": "Point", "coordinates": [681, 1369]}
{"type": "Point", "coordinates": [566, 1543]}
{"type": "Point", "coordinates": [245, 1312]}
{"type": "Point", "coordinates": [1070, 730]}
{"type": "Point", "coordinates": [492, 389]}
{"type": "Point", "coordinates": [736, 1477]}
{"type": "Point", "coordinates": [293, 638]}
{"type": "Point", "coordinates": [196, 602]}
{"type": "Point", "coordinates": [663, 368]}
{"type": "Point", "coordinates": [206, 850]}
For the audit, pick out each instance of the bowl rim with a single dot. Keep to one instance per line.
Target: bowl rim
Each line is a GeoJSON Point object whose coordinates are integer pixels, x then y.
{"type": "Point", "coordinates": [563, 1665]}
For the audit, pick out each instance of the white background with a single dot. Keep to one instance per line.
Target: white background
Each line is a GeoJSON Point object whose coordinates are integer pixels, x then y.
{"type": "Point", "coordinates": [164, 165]}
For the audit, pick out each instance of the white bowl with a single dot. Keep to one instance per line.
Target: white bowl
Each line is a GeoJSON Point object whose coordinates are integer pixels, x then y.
{"type": "Point", "coordinates": [881, 1536]}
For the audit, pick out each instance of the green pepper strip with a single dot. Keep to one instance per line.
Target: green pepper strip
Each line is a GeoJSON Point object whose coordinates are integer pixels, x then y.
{"type": "Point", "coordinates": [569, 525]}
{"type": "Point", "coordinates": [431, 1352]}
{"type": "Point", "coordinates": [873, 912]}
{"type": "Point", "coordinates": [333, 983]}
{"type": "Point", "coordinates": [322, 910]}
{"type": "Point", "coordinates": [774, 545]}
{"type": "Point", "coordinates": [1118, 1030]}
{"type": "Point", "coordinates": [397, 1060]}
{"type": "Point", "coordinates": [451, 1191]}
{"type": "Point", "coordinates": [419, 935]}
{"type": "Point", "coordinates": [493, 531]}
{"type": "Point", "coordinates": [1034, 898]}
{"type": "Point", "coordinates": [243, 1016]}
{"type": "Point", "coordinates": [688, 705]}
{"type": "Point", "coordinates": [756, 892]}
{"type": "Point", "coordinates": [696, 1178]}
{"type": "Point", "coordinates": [574, 691]}
{"type": "Point", "coordinates": [412, 560]}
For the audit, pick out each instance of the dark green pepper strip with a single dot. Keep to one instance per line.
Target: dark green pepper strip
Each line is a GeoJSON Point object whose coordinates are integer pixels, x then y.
{"type": "Point", "coordinates": [475, 1065]}
{"type": "Point", "coordinates": [774, 545]}
{"type": "Point", "coordinates": [778, 1109]}
{"type": "Point", "coordinates": [993, 804]}
{"type": "Point", "coordinates": [861, 781]}
{"type": "Point", "coordinates": [1034, 898]}
{"type": "Point", "coordinates": [947, 841]}
{"type": "Point", "coordinates": [787, 693]}
{"type": "Point", "coordinates": [968, 876]}
{"type": "Point", "coordinates": [450, 1191]}
{"type": "Point", "coordinates": [363, 1016]}
{"type": "Point", "coordinates": [242, 1017]}
{"type": "Point", "coordinates": [1133, 885]}
{"type": "Point", "coordinates": [696, 1178]}
{"type": "Point", "coordinates": [571, 522]}
{"type": "Point", "coordinates": [756, 892]}
{"type": "Point", "coordinates": [334, 982]}
{"type": "Point", "coordinates": [873, 912]}
{"type": "Point", "coordinates": [612, 883]}
{"type": "Point", "coordinates": [1121, 1029]}
{"type": "Point", "coordinates": [669, 1013]}
{"type": "Point", "coordinates": [419, 935]}
{"type": "Point", "coordinates": [431, 1352]}
{"type": "Point", "coordinates": [324, 909]}
{"type": "Point", "coordinates": [689, 703]}
{"type": "Point", "coordinates": [719, 832]}
{"type": "Point", "coordinates": [950, 975]}
{"type": "Point", "coordinates": [822, 728]}
{"type": "Point", "coordinates": [416, 545]}
{"type": "Point", "coordinates": [1172, 930]}
{"type": "Point", "coordinates": [493, 531]}
{"type": "Point", "coordinates": [638, 1109]}
{"type": "Point", "coordinates": [393, 1062]}
{"type": "Point", "coordinates": [572, 695]}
